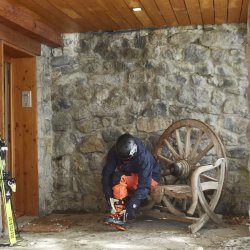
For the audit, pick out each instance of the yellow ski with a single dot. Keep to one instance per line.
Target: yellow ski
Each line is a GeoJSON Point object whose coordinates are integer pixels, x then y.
{"type": "Point", "coordinates": [7, 186]}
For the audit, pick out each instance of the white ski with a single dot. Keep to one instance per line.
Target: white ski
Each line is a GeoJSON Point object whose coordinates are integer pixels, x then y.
{"type": "Point", "coordinates": [7, 185]}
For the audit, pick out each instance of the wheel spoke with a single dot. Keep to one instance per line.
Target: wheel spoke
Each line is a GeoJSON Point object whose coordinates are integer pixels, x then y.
{"type": "Point", "coordinates": [209, 185]}
{"type": "Point", "coordinates": [175, 180]}
{"type": "Point", "coordinates": [203, 153]}
{"type": "Point", "coordinates": [173, 202]}
{"type": "Point", "coordinates": [208, 208]}
{"type": "Point", "coordinates": [170, 207]}
{"type": "Point", "coordinates": [199, 210]}
{"type": "Point", "coordinates": [166, 160]}
{"type": "Point", "coordinates": [196, 145]}
{"type": "Point", "coordinates": [172, 150]}
{"type": "Point", "coordinates": [179, 143]}
{"type": "Point", "coordinates": [164, 179]}
{"type": "Point", "coordinates": [188, 146]}
{"type": "Point", "coordinates": [206, 177]}
{"type": "Point", "coordinates": [184, 205]}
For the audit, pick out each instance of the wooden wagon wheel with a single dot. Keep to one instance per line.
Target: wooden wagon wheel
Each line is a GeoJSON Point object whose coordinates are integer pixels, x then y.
{"type": "Point", "coordinates": [191, 144]}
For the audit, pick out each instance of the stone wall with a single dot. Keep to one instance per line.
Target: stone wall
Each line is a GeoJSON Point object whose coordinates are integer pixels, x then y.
{"type": "Point", "coordinates": [248, 91]}
{"type": "Point", "coordinates": [105, 84]}
{"type": "Point", "coordinates": [45, 137]}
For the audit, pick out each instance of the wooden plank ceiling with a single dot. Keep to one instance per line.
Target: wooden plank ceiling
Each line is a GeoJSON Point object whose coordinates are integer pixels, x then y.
{"type": "Point", "coordinates": [66, 16]}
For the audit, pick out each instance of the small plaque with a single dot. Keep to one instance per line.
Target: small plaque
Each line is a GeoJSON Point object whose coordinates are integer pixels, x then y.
{"type": "Point", "coordinates": [26, 99]}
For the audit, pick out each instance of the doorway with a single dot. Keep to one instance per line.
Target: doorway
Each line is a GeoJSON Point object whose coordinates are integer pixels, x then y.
{"type": "Point", "coordinates": [7, 111]}
{"type": "Point", "coordinates": [19, 125]}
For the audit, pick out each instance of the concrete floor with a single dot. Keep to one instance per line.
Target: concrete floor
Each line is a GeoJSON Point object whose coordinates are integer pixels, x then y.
{"type": "Point", "coordinates": [147, 232]}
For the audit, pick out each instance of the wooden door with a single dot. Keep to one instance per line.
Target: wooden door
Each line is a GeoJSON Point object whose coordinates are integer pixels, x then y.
{"type": "Point", "coordinates": [19, 125]}
{"type": "Point", "coordinates": [24, 138]}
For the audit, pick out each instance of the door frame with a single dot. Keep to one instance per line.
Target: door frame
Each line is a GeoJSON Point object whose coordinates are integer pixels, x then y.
{"type": "Point", "coordinates": [23, 129]}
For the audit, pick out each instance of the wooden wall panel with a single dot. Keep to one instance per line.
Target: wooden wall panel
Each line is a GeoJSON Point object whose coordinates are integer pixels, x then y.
{"type": "Point", "coordinates": [17, 140]}
{"type": "Point", "coordinates": [234, 10]}
{"type": "Point", "coordinates": [2, 217]}
{"type": "Point", "coordinates": [153, 12]}
{"type": "Point", "coordinates": [111, 15]}
{"type": "Point", "coordinates": [126, 13]}
{"type": "Point", "coordinates": [71, 14]}
{"type": "Point", "coordinates": [86, 15]}
{"type": "Point", "coordinates": [98, 14]}
{"type": "Point", "coordinates": [25, 136]}
{"type": "Point", "coordinates": [193, 8]}
{"type": "Point", "coordinates": [220, 8]}
{"type": "Point", "coordinates": [115, 15]}
{"type": "Point", "coordinates": [244, 11]}
{"type": "Point", "coordinates": [142, 16]}
{"type": "Point", "coordinates": [167, 12]}
{"type": "Point", "coordinates": [180, 11]}
{"type": "Point", "coordinates": [207, 11]}
{"type": "Point", "coordinates": [1, 90]}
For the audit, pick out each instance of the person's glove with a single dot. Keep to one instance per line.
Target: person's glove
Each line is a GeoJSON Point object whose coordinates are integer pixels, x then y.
{"type": "Point", "coordinates": [108, 201]}
{"type": "Point", "coordinates": [131, 208]}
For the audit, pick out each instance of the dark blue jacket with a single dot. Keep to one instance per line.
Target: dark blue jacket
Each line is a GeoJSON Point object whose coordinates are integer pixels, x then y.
{"type": "Point", "coordinates": [142, 163]}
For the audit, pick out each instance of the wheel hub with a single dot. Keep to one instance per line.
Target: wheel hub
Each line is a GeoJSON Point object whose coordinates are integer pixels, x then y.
{"type": "Point", "coordinates": [181, 169]}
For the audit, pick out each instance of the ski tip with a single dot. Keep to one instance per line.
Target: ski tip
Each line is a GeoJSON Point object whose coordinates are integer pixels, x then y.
{"type": "Point", "coordinates": [117, 227]}
{"type": "Point", "coordinates": [12, 244]}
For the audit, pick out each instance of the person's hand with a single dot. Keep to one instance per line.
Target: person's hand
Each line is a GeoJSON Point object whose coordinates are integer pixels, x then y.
{"type": "Point", "coordinates": [131, 215]}
{"type": "Point", "coordinates": [131, 208]}
{"type": "Point", "coordinates": [108, 201]}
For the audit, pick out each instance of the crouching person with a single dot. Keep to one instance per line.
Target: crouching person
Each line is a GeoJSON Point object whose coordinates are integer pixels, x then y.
{"type": "Point", "coordinates": [129, 174]}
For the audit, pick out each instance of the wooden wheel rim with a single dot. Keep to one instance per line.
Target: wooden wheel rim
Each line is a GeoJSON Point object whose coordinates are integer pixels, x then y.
{"type": "Point", "coordinates": [184, 153]}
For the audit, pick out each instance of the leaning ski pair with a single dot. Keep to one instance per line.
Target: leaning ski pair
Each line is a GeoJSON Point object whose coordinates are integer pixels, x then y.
{"type": "Point", "coordinates": [7, 185]}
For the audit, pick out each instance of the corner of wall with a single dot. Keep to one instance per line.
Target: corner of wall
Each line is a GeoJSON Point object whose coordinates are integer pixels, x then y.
{"type": "Point", "coordinates": [44, 134]}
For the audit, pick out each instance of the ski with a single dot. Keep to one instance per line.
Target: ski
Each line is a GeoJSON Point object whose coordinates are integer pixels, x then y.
{"type": "Point", "coordinates": [7, 186]}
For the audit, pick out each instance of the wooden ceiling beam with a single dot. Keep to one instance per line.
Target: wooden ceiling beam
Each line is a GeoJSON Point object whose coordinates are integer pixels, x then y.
{"type": "Point", "coordinates": [18, 39]}
{"type": "Point", "coordinates": [27, 22]}
{"type": "Point", "coordinates": [52, 15]}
